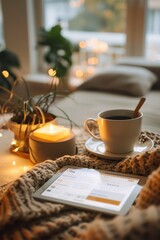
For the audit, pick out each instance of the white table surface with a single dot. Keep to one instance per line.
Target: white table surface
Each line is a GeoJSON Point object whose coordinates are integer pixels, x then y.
{"type": "Point", "coordinates": [11, 165]}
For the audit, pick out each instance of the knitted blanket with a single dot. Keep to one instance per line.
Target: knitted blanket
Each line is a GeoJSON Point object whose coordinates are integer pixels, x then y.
{"type": "Point", "coordinates": [23, 217]}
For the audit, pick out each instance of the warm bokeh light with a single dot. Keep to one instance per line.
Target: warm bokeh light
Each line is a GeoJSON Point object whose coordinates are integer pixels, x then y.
{"type": "Point", "coordinates": [14, 163]}
{"type": "Point", "coordinates": [82, 44]}
{"type": "Point", "coordinates": [5, 73]}
{"type": "Point", "coordinates": [52, 72]}
{"type": "Point", "coordinates": [97, 46]}
{"type": "Point", "coordinates": [14, 142]}
{"type": "Point", "coordinates": [79, 73]}
{"type": "Point", "coordinates": [93, 61]}
{"type": "Point", "coordinates": [17, 145]}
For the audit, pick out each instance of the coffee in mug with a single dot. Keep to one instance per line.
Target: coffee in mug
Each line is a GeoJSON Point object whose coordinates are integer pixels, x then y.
{"type": "Point", "coordinates": [118, 129]}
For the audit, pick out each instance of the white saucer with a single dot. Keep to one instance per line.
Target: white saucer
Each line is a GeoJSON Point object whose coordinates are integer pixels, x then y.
{"type": "Point", "coordinates": [97, 148]}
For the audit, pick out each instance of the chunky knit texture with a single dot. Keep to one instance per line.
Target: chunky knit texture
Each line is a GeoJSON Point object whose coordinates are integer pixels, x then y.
{"type": "Point", "coordinates": [23, 217]}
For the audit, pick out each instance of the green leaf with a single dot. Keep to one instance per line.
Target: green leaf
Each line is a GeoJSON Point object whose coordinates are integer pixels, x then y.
{"type": "Point", "coordinates": [8, 60]}
{"type": "Point", "coordinates": [57, 44]}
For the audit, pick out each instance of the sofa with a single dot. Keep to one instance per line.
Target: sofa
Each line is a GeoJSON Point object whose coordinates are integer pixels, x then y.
{"type": "Point", "coordinates": [119, 86]}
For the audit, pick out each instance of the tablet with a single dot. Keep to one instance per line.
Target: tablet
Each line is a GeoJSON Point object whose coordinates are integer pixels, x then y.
{"type": "Point", "coordinates": [92, 189]}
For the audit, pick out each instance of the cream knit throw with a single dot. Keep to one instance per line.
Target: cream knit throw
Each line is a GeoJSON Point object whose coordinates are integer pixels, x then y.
{"type": "Point", "coordinates": [22, 217]}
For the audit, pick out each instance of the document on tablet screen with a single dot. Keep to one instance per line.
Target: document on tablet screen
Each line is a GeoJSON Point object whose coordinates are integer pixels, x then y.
{"type": "Point", "coordinates": [90, 187]}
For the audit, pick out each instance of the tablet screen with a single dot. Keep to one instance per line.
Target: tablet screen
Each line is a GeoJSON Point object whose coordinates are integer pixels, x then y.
{"type": "Point", "coordinates": [93, 189]}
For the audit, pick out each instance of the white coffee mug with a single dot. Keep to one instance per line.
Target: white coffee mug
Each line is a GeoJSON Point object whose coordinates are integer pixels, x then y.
{"type": "Point", "coordinates": [118, 129]}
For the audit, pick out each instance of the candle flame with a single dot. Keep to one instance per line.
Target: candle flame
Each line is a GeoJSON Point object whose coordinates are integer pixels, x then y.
{"type": "Point", "coordinates": [51, 128]}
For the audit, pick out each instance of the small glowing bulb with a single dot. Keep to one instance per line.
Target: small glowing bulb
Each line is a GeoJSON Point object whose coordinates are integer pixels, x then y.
{"type": "Point", "coordinates": [16, 149]}
{"type": "Point", "coordinates": [1, 134]}
{"type": "Point", "coordinates": [5, 73]}
{"type": "Point", "coordinates": [13, 142]}
{"type": "Point", "coordinates": [14, 163]}
{"type": "Point", "coordinates": [52, 72]}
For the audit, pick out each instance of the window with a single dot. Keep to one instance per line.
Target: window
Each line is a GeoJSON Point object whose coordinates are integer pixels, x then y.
{"type": "Point", "coordinates": [86, 19]}
{"type": "Point", "coordinates": [119, 23]}
{"type": "Point", "coordinates": [153, 30]}
{"type": "Point", "coordinates": [86, 15]}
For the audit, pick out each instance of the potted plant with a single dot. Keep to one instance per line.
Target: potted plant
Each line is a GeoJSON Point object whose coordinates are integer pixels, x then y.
{"type": "Point", "coordinates": [28, 114]}
{"type": "Point", "coordinates": [58, 51]}
{"type": "Point", "coordinates": [8, 61]}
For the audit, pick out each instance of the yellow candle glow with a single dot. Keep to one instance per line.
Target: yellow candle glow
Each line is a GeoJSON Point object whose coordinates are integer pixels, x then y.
{"type": "Point", "coordinates": [51, 133]}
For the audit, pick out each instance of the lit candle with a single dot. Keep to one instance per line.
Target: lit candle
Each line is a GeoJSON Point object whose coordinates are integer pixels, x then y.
{"type": "Point", "coordinates": [50, 142]}
{"type": "Point", "coordinates": [51, 133]}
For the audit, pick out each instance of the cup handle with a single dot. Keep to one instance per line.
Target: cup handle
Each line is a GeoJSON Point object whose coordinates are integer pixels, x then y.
{"type": "Point", "coordinates": [87, 128]}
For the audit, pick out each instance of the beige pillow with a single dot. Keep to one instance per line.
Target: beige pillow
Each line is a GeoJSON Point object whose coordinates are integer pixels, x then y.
{"type": "Point", "coordinates": [133, 81]}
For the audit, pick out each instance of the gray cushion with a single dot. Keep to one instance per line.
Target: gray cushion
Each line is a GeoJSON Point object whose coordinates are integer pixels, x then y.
{"type": "Point", "coordinates": [133, 81]}
{"type": "Point", "coordinates": [151, 65]}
